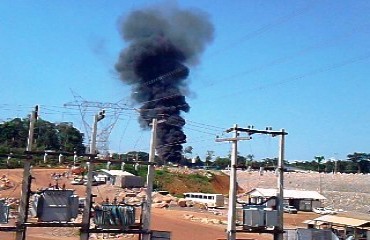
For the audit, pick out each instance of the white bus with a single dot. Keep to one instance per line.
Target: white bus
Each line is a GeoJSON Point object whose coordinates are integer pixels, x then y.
{"type": "Point", "coordinates": [209, 199]}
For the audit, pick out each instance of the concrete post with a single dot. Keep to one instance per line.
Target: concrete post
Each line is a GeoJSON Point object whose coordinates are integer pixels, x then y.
{"type": "Point", "coordinates": [23, 205]}
{"type": "Point", "coordinates": [280, 187]}
{"type": "Point", "coordinates": [231, 217]}
{"type": "Point", "coordinates": [149, 188]}
{"type": "Point", "coordinates": [87, 208]}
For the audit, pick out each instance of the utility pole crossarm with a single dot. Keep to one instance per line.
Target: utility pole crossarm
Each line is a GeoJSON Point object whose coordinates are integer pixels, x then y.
{"type": "Point", "coordinates": [231, 225]}
{"type": "Point", "coordinates": [253, 131]}
{"type": "Point", "coordinates": [232, 139]}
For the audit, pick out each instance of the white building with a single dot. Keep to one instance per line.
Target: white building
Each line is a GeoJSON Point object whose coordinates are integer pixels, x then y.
{"type": "Point", "coordinates": [123, 179]}
{"type": "Point", "coordinates": [300, 199]}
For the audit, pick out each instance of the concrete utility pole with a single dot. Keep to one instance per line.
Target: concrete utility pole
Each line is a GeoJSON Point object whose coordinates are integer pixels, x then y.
{"type": "Point", "coordinates": [231, 215]}
{"type": "Point", "coordinates": [23, 205]}
{"type": "Point", "coordinates": [319, 160]}
{"type": "Point", "coordinates": [231, 218]}
{"type": "Point", "coordinates": [75, 158]}
{"type": "Point", "coordinates": [280, 186]}
{"type": "Point", "coordinates": [87, 208]}
{"type": "Point", "coordinates": [122, 166]}
{"type": "Point", "coordinates": [149, 182]}
{"type": "Point", "coordinates": [231, 227]}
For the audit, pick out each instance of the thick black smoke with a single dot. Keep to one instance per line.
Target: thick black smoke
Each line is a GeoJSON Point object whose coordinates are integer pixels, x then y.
{"type": "Point", "coordinates": [161, 43]}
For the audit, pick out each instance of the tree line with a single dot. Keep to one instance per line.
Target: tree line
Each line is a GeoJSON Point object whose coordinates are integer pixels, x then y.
{"type": "Point", "coordinates": [65, 137]}
{"type": "Point", "coordinates": [47, 136]}
{"type": "Point", "coordinates": [354, 163]}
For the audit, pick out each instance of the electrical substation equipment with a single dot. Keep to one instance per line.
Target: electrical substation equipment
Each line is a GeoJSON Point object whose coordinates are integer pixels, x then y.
{"type": "Point", "coordinates": [4, 212]}
{"type": "Point", "coordinates": [117, 216]}
{"type": "Point", "coordinates": [55, 205]}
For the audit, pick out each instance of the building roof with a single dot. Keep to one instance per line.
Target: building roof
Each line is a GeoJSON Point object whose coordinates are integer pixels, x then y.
{"type": "Point", "coordinates": [288, 194]}
{"type": "Point", "coordinates": [116, 172]}
{"type": "Point", "coordinates": [342, 221]}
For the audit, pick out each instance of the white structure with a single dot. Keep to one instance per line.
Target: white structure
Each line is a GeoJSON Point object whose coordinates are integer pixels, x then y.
{"type": "Point", "coordinates": [123, 179]}
{"type": "Point", "coordinates": [302, 200]}
{"type": "Point", "coordinates": [209, 199]}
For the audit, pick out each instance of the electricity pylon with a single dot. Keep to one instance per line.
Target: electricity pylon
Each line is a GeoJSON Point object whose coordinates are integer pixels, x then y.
{"type": "Point", "coordinates": [88, 108]}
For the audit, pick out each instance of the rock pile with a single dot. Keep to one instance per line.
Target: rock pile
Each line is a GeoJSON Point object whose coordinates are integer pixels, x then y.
{"type": "Point", "coordinates": [205, 220]}
{"type": "Point", "coordinates": [5, 183]}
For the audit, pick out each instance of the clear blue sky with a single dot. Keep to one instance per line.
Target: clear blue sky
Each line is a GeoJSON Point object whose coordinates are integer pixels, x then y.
{"type": "Point", "coordinates": [298, 65]}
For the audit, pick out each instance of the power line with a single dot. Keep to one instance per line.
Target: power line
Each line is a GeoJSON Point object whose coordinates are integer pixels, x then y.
{"type": "Point", "coordinates": [265, 28]}
{"type": "Point", "coordinates": [287, 58]}
{"type": "Point", "coordinates": [123, 133]}
{"type": "Point", "coordinates": [318, 71]}
{"type": "Point", "coordinates": [115, 110]}
{"type": "Point", "coordinates": [204, 125]}
{"type": "Point", "coordinates": [314, 72]}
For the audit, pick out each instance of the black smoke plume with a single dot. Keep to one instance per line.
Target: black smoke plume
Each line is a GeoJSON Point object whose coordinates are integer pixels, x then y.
{"type": "Point", "coordinates": [162, 43]}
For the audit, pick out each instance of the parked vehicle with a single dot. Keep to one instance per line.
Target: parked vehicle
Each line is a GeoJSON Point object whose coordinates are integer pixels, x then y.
{"type": "Point", "coordinates": [319, 210]}
{"type": "Point", "coordinates": [323, 211]}
{"type": "Point", "coordinates": [101, 179]}
{"type": "Point", "coordinates": [209, 199]}
{"type": "Point", "coordinates": [330, 210]}
{"type": "Point", "coordinates": [77, 181]}
{"type": "Point", "coordinates": [290, 209]}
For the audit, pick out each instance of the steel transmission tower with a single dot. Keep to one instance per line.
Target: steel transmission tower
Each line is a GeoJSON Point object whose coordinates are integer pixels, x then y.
{"type": "Point", "coordinates": [87, 110]}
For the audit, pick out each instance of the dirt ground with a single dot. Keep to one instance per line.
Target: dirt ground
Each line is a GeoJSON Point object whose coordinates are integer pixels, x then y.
{"type": "Point", "coordinates": [175, 220]}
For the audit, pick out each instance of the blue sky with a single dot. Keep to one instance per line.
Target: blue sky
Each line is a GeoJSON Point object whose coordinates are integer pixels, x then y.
{"type": "Point", "coordinates": [298, 65]}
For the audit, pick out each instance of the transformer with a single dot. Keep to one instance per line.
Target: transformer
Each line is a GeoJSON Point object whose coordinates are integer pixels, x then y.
{"type": "Point", "coordinates": [55, 205]}
{"type": "Point", "coordinates": [4, 212]}
{"type": "Point", "coordinates": [255, 216]}
{"type": "Point", "coordinates": [114, 216]}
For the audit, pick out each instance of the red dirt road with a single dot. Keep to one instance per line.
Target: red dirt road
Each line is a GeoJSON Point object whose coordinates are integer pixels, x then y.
{"type": "Point", "coordinates": [168, 220]}
{"type": "Point", "coordinates": [184, 229]}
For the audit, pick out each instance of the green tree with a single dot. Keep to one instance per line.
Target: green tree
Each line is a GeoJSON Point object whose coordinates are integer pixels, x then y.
{"type": "Point", "coordinates": [70, 138]}
{"type": "Point", "coordinates": [249, 159]}
{"type": "Point", "coordinates": [198, 162]}
{"type": "Point", "coordinates": [360, 159]}
{"type": "Point", "coordinates": [14, 133]}
{"type": "Point", "coordinates": [47, 136]}
{"type": "Point", "coordinates": [319, 159]}
{"type": "Point", "coordinates": [222, 163]}
{"type": "Point", "coordinates": [241, 161]}
{"type": "Point", "coordinates": [270, 162]}
{"type": "Point", "coordinates": [209, 157]}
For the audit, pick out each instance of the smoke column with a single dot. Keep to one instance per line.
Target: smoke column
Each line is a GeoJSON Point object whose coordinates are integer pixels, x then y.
{"type": "Point", "coordinates": [162, 43]}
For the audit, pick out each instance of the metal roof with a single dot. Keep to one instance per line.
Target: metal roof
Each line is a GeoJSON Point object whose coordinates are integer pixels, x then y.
{"type": "Point", "coordinates": [117, 172]}
{"type": "Point", "coordinates": [288, 194]}
{"type": "Point", "coordinates": [203, 193]}
{"type": "Point", "coordinates": [343, 221]}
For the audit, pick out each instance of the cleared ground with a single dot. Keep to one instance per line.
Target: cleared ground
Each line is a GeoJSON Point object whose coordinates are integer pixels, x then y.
{"type": "Point", "coordinates": [177, 220]}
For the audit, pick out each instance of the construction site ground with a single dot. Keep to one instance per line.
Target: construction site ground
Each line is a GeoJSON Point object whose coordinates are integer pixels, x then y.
{"type": "Point", "coordinates": [183, 223]}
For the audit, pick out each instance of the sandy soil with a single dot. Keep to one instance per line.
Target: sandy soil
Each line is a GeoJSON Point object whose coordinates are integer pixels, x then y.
{"type": "Point", "coordinates": [175, 220]}
{"type": "Point", "coordinates": [349, 192]}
